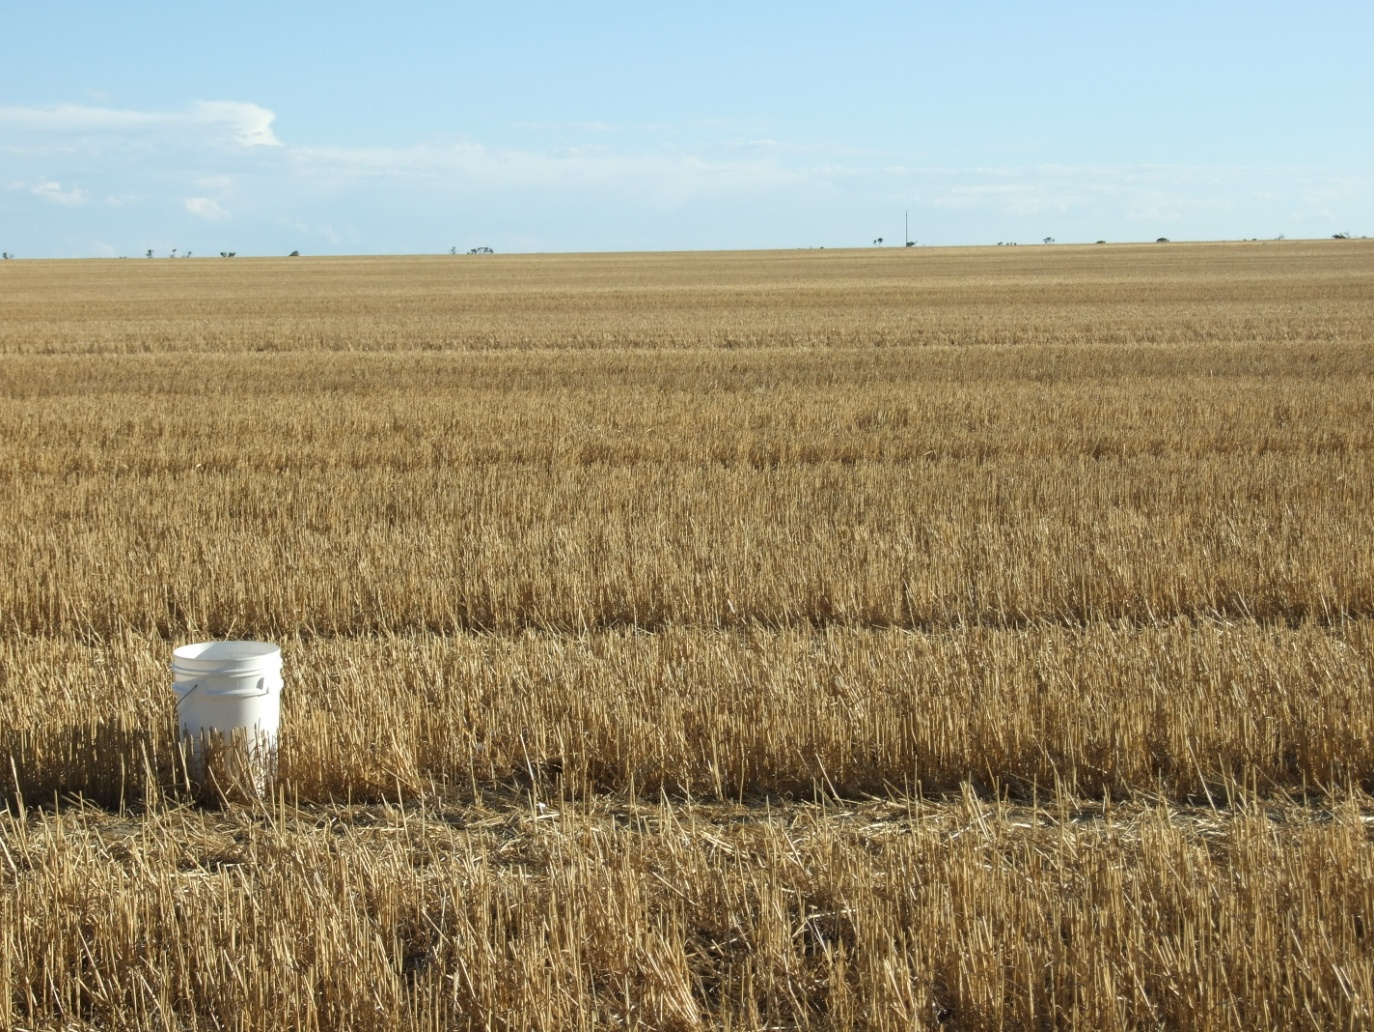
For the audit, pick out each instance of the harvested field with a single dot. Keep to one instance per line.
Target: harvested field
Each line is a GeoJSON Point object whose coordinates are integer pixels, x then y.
{"type": "Point", "coordinates": [965, 639]}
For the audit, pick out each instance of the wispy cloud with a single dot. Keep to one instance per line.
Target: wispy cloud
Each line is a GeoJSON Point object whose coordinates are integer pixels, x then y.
{"type": "Point", "coordinates": [169, 177]}
{"type": "Point", "coordinates": [51, 190]}
{"type": "Point", "coordinates": [1140, 193]}
{"type": "Point", "coordinates": [648, 170]}
{"type": "Point", "coordinates": [656, 174]}
{"type": "Point", "coordinates": [236, 122]}
{"type": "Point", "coordinates": [206, 208]}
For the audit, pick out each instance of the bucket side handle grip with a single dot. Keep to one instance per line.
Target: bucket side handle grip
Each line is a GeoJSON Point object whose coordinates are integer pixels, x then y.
{"type": "Point", "coordinates": [185, 689]}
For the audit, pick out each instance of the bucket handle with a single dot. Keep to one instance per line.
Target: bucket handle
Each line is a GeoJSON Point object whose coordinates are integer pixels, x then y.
{"type": "Point", "coordinates": [263, 689]}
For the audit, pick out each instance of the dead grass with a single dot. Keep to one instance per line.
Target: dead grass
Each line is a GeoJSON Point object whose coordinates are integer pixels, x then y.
{"type": "Point", "coordinates": [1175, 710]}
{"type": "Point", "coordinates": [509, 915]}
{"type": "Point", "coordinates": [971, 639]}
{"type": "Point", "coordinates": [1262, 293]}
{"type": "Point", "coordinates": [919, 488]}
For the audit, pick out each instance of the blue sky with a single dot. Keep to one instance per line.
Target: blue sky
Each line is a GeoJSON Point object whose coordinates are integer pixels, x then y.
{"type": "Point", "coordinates": [343, 128]}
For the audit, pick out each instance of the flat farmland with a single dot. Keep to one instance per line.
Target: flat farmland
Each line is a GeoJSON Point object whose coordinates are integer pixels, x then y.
{"type": "Point", "coordinates": [883, 639]}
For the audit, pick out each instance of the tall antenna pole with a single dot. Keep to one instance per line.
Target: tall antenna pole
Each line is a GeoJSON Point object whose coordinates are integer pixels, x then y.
{"type": "Point", "coordinates": [906, 227]}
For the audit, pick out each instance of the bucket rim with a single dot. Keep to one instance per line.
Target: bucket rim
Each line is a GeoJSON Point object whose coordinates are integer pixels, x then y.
{"type": "Point", "coordinates": [217, 652]}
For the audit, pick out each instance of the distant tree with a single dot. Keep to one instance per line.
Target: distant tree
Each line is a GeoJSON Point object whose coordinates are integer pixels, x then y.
{"type": "Point", "coordinates": [5, 254]}
{"type": "Point", "coordinates": [1049, 240]}
{"type": "Point", "coordinates": [294, 254]}
{"type": "Point", "coordinates": [174, 252]}
{"type": "Point", "coordinates": [187, 254]}
{"type": "Point", "coordinates": [1102, 241]}
{"type": "Point", "coordinates": [1340, 236]}
{"type": "Point", "coordinates": [149, 254]}
{"type": "Point", "coordinates": [453, 250]}
{"type": "Point", "coordinates": [1162, 240]}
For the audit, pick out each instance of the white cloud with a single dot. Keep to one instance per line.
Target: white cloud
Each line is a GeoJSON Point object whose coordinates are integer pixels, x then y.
{"type": "Point", "coordinates": [244, 124]}
{"type": "Point", "coordinates": [206, 209]}
{"type": "Point", "coordinates": [698, 184]}
{"type": "Point", "coordinates": [659, 174]}
{"type": "Point", "coordinates": [70, 118]}
{"type": "Point", "coordinates": [51, 190]}
{"type": "Point", "coordinates": [250, 125]}
{"type": "Point", "coordinates": [1133, 192]}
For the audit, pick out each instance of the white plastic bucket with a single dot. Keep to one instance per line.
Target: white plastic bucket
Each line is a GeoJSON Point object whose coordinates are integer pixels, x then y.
{"type": "Point", "coordinates": [229, 706]}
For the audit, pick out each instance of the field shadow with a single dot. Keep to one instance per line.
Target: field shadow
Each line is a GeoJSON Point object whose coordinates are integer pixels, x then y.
{"type": "Point", "coordinates": [110, 763]}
